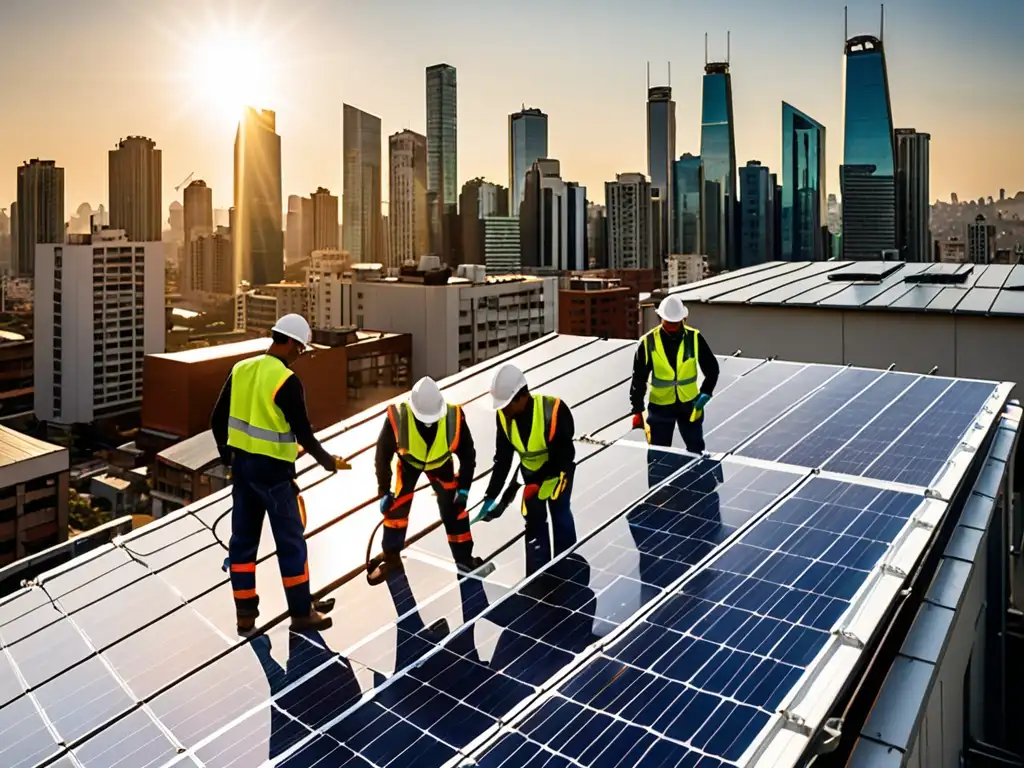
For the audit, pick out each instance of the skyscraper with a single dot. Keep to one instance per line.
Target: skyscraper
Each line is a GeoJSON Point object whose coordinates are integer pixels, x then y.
{"type": "Point", "coordinates": [39, 217]}
{"type": "Point", "coordinates": [913, 206]}
{"type": "Point", "coordinates": [325, 220]}
{"type": "Point", "coordinates": [803, 200]}
{"type": "Point", "coordinates": [661, 153]}
{"type": "Point", "coordinates": [867, 176]}
{"type": "Point", "coordinates": [407, 198]}
{"type": "Point", "coordinates": [136, 180]}
{"type": "Point", "coordinates": [361, 213]}
{"type": "Point", "coordinates": [198, 210]}
{"type": "Point", "coordinates": [552, 220]}
{"type": "Point", "coordinates": [597, 237]}
{"type": "Point", "coordinates": [627, 200]}
{"type": "Point", "coordinates": [757, 214]}
{"type": "Point", "coordinates": [256, 231]}
{"type": "Point", "coordinates": [442, 156]}
{"type": "Point", "coordinates": [688, 208]}
{"type": "Point", "coordinates": [718, 153]}
{"type": "Point", "coordinates": [479, 200]}
{"type": "Point", "coordinates": [527, 143]}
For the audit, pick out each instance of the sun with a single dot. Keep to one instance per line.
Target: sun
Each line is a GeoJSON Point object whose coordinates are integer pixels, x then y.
{"type": "Point", "coordinates": [230, 71]}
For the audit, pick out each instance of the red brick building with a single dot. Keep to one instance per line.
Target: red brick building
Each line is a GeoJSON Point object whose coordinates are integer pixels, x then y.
{"type": "Point", "coordinates": [593, 307]}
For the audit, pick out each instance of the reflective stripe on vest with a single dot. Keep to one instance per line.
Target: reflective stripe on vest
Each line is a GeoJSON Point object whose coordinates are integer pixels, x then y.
{"type": "Point", "coordinates": [534, 454]}
{"type": "Point", "coordinates": [413, 449]}
{"type": "Point", "coordinates": [255, 423]}
{"type": "Point", "coordinates": [668, 383]}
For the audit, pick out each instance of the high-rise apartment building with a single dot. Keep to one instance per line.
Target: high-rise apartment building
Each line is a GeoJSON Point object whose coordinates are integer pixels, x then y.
{"type": "Point", "coordinates": [629, 222]}
{"type": "Point", "coordinates": [499, 236]}
{"type": "Point", "coordinates": [408, 216]}
{"type": "Point", "coordinates": [299, 229]}
{"type": "Point", "coordinates": [329, 290]}
{"type": "Point", "coordinates": [597, 237]}
{"type": "Point", "coordinates": [325, 220]}
{"type": "Point", "coordinates": [803, 203]}
{"type": "Point", "coordinates": [99, 309]}
{"type": "Point", "coordinates": [527, 143]}
{"type": "Point", "coordinates": [661, 154]}
{"type": "Point", "coordinates": [867, 176]}
{"type": "Point", "coordinates": [256, 230]}
{"type": "Point", "coordinates": [209, 269]}
{"type": "Point", "coordinates": [688, 213]}
{"type": "Point", "coordinates": [981, 241]}
{"type": "Point", "coordinates": [718, 154]}
{"type": "Point", "coordinates": [39, 217]}
{"type": "Point", "coordinates": [552, 220]}
{"type": "Point", "coordinates": [757, 214]}
{"type": "Point", "coordinates": [479, 199]}
{"type": "Point", "coordinates": [136, 188]}
{"type": "Point", "coordinates": [913, 205]}
{"type": "Point", "coordinates": [442, 156]}
{"type": "Point", "coordinates": [360, 200]}
{"type": "Point", "coordinates": [198, 210]}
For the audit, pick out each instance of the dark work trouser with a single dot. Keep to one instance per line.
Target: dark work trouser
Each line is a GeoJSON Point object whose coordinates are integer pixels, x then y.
{"type": "Point", "coordinates": [252, 496]}
{"type": "Point", "coordinates": [563, 528]}
{"type": "Point", "coordinates": [456, 521]}
{"type": "Point", "coordinates": [662, 422]}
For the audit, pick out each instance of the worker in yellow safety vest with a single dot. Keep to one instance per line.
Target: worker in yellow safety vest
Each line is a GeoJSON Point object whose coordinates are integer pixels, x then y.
{"type": "Point", "coordinates": [665, 369]}
{"type": "Point", "coordinates": [540, 429]}
{"type": "Point", "coordinates": [258, 423]}
{"type": "Point", "coordinates": [425, 433]}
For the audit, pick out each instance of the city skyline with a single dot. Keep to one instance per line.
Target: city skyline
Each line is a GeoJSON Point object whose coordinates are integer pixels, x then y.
{"type": "Point", "coordinates": [596, 105]}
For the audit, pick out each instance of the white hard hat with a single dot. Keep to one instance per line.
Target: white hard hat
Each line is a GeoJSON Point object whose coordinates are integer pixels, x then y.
{"type": "Point", "coordinates": [426, 401]}
{"type": "Point", "coordinates": [672, 310]}
{"type": "Point", "coordinates": [506, 384]}
{"type": "Point", "coordinates": [294, 327]}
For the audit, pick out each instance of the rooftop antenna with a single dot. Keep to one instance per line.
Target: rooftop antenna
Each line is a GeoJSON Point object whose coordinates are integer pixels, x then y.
{"type": "Point", "coordinates": [705, 49]}
{"type": "Point", "coordinates": [728, 47]}
{"type": "Point", "coordinates": [648, 75]}
{"type": "Point", "coordinates": [846, 23]}
{"type": "Point", "coordinates": [881, 26]}
{"type": "Point", "coordinates": [670, 74]}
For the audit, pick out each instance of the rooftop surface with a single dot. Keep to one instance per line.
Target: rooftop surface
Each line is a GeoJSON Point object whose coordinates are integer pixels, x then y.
{"type": "Point", "coordinates": [702, 598]}
{"type": "Point", "coordinates": [193, 453]}
{"type": "Point", "coordinates": [250, 347]}
{"type": "Point", "coordinates": [962, 289]}
{"type": "Point", "coordinates": [16, 447]}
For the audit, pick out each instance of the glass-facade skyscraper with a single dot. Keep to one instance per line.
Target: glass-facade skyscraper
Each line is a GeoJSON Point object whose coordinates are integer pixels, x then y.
{"type": "Point", "coordinates": [688, 213]}
{"type": "Point", "coordinates": [867, 175]}
{"type": "Point", "coordinates": [913, 204]}
{"type": "Point", "coordinates": [803, 187]}
{"type": "Point", "coordinates": [442, 156]}
{"type": "Point", "coordinates": [661, 153]}
{"type": "Point", "coordinates": [757, 214]}
{"type": "Point", "coordinates": [718, 153]}
{"type": "Point", "coordinates": [527, 143]}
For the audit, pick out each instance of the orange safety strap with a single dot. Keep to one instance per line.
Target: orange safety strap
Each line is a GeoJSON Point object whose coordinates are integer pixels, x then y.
{"type": "Point", "coordinates": [459, 538]}
{"type": "Point", "coordinates": [450, 485]}
{"type": "Point", "coordinates": [458, 429]}
{"type": "Point", "coordinates": [244, 594]}
{"type": "Point", "coordinates": [554, 419]}
{"type": "Point", "coordinates": [397, 522]}
{"type": "Point", "coordinates": [243, 567]}
{"type": "Point", "coordinates": [294, 581]}
{"type": "Point", "coordinates": [463, 515]}
{"type": "Point", "coordinates": [302, 510]}
{"type": "Point", "coordinates": [401, 501]}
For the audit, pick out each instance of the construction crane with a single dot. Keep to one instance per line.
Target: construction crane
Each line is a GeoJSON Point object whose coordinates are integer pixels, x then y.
{"type": "Point", "coordinates": [186, 181]}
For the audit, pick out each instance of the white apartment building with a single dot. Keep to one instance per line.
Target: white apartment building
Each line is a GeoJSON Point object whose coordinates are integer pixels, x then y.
{"type": "Point", "coordinates": [629, 222]}
{"type": "Point", "coordinates": [408, 226]}
{"type": "Point", "coordinates": [329, 290]}
{"type": "Point", "coordinates": [459, 324]}
{"type": "Point", "coordinates": [685, 268]}
{"type": "Point", "coordinates": [99, 310]}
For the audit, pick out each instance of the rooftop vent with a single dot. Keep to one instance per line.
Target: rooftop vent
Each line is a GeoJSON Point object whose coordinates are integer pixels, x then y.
{"type": "Point", "coordinates": [957, 276]}
{"type": "Point", "coordinates": [866, 272]}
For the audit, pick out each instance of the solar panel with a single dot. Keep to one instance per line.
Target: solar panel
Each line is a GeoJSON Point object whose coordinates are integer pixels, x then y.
{"type": "Point", "coordinates": [128, 656]}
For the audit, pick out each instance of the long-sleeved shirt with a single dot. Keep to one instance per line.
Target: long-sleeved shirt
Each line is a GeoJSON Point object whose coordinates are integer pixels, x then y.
{"type": "Point", "coordinates": [671, 341]}
{"type": "Point", "coordinates": [387, 446]}
{"type": "Point", "coordinates": [561, 450]}
{"type": "Point", "coordinates": [291, 399]}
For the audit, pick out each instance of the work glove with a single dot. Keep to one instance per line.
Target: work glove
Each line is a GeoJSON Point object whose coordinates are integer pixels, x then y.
{"type": "Point", "coordinates": [552, 488]}
{"type": "Point", "coordinates": [226, 455]}
{"type": "Point", "coordinates": [638, 421]}
{"type": "Point", "coordinates": [485, 509]}
{"type": "Point", "coordinates": [341, 464]}
{"type": "Point", "coordinates": [461, 499]}
{"type": "Point", "coordinates": [385, 503]}
{"type": "Point", "coordinates": [701, 401]}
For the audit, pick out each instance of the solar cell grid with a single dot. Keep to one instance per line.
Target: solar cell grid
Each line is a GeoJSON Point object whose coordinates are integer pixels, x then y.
{"type": "Point", "coordinates": [708, 667]}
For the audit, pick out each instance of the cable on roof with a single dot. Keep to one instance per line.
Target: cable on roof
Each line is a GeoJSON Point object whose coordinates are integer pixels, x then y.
{"type": "Point", "coordinates": [933, 371]}
{"type": "Point", "coordinates": [892, 366]}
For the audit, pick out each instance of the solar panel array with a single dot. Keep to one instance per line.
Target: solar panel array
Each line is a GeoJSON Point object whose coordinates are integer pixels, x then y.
{"type": "Point", "coordinates": [704, 597]}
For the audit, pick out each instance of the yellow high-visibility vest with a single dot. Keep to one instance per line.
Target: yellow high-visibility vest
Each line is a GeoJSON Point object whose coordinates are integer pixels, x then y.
{"type": "Point", "coordinates": [534, 454]}
{"type": "Point", "coordinates": [255, 423]}
{"type": "Point", "coordinates": [668, 382]}
{"type": "Point", "coordinates": [413, 449]}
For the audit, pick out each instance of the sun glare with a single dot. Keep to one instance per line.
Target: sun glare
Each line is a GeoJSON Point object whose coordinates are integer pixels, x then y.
{"type": "Point", "coordinates": [231, 72]}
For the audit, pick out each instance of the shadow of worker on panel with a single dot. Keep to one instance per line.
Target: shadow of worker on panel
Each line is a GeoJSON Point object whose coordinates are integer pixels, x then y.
{"type": "Point", "coordinates": [315, 701]}
{"type": "Point", "coordinates": [677, 525]}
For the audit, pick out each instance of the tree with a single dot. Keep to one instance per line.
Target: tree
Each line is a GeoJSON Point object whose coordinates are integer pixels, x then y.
{"type": "Point", "coordinates": [82, 516]}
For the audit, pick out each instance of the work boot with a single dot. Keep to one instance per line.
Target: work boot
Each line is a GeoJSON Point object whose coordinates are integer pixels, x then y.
{"type": "Point", "coordinates": [245, 622]}
{"type": "Point", "coordinates": [314, 621]}
{"type": "Point", "coordinates": [469, 564]}
{"type": "Point", "coordinates": [324, 606]}
{"type": "Point", "coordinates": [384, 567]}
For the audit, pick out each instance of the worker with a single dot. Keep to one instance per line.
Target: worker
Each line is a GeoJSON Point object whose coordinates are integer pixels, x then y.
{"type": "Point", "coordinates": [425, 432]}
{"type": "Point", "coordinates": [258, 423]}
{"type": "Point", "coordinates": [540, 429]}
{"type": "Point", "coordinates": [668, 356]}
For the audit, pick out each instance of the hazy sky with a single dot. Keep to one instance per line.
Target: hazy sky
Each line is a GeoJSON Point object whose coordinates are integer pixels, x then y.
{"type": "Point", "coordinates": [79, 75]}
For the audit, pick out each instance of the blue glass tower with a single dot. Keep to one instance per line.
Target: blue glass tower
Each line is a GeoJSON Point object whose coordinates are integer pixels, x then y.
{"type": "Point", "coordinates": [803, 186]}
{"type": "Point", "coordinates": [687, 207]}
{"type": "Point", "coordinates": [867, 175]}
{"type": "Point", "coordinates": [661, 153]}
{"type": "Point", "coordinates": [527, 143]}
{"type": "Point", "coordinates": [718, 153]}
